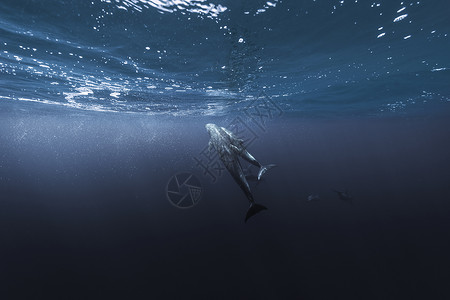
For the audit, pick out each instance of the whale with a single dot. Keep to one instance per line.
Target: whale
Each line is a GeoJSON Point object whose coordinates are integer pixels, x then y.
{"type": "Point", "coordinates": [230, 148]}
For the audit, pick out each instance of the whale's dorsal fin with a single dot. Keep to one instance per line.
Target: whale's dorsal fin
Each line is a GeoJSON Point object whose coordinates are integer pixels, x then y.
{"type": "Point", "coordinates": [240, 141]}
{"type": "Point", "coordinates": [235, 149]}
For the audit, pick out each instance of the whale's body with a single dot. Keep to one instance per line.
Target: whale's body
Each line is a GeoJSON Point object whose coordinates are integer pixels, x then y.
{"type": "Point", "coordinates": [229, 149]}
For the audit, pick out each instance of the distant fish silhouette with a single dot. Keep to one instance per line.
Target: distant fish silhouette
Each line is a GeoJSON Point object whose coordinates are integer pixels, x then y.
{"type": "Point", "coordinates": [344, 196]}
{"type": "Point", "coordinates": [313, 197]}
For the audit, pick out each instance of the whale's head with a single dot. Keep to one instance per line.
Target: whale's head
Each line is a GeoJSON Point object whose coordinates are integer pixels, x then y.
{"type": "Point", "coordinates": [212, 129]}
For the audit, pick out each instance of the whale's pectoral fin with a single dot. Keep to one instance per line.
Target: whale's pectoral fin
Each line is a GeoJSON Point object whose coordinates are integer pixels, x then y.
{"type": "Point", "coordinates": [264, 169]}
{"type": "Point", "coordinates": [253, 210]}
{"type": "Point", "coordinates": [210, 146]}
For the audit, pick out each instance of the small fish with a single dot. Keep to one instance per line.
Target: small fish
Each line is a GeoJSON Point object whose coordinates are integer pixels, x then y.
{"type": "Point", "coordinates": [344, 195]}
{"type": "Point", "coordinates": [313, 197]}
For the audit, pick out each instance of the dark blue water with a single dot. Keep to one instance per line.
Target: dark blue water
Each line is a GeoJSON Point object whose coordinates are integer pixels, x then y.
{"type": "Point", "coordinates": [102, 102]}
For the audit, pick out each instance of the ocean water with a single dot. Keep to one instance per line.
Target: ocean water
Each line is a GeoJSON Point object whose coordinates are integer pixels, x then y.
{"type": "Point", "coordinates": [103, 102]}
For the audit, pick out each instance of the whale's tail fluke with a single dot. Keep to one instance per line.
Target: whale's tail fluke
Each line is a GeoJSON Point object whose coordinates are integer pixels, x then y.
{"type": "Point", "coordinates": [253, 210]}
{"type": "Point", "coordinates": [264, 169]}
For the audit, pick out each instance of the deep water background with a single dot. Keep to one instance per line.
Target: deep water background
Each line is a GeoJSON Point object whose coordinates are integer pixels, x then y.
{"type": "Point", "coordinates": [102, 102]}
{"type": "Point", "coordinates": [85, 215]}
